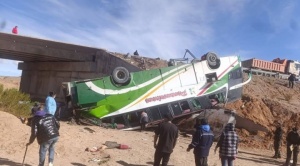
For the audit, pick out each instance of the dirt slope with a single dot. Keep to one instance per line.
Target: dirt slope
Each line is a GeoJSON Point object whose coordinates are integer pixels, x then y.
{"type": "Point", "coordinates": [267, 100]}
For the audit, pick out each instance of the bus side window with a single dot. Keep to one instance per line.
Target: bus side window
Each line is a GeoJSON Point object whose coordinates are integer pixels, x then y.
{"type": "Point", "coordinates": [176, 108]}
{"type": "Point", "coordinates": [133, 119]}
{"type": "Point", "coordinates": [196, 104]}
{"type": "Point", "coordinates": [185, 107]}
{"type": "Point", "coordinates": [235, 74]}
{"type": "Point", "coordinates": [205, 102]}
{"type": "Point", "coordinates": [154, 114]}
{"type": "Point", "coordinates": [164, 110]}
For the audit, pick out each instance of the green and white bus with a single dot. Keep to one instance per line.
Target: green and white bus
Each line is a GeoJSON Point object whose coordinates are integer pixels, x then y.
{"type": "Point", "coordinates": [178, 90]}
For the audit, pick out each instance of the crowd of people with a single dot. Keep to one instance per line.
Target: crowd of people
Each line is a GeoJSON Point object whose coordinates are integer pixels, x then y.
{"type": "Point", "coordinates": [45, 127]}
{"type": "Point", "coordinates": [203, 138]}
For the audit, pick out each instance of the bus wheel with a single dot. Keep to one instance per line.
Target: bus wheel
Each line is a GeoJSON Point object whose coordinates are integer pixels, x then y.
{"type": "Point", "coordinates": [121, 75]}
{"type": "Point", "coordinates": [213, 60]}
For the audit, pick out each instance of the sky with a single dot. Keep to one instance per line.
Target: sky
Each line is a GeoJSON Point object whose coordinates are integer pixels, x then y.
{"type": "Point", "coordinates": [160, 28]}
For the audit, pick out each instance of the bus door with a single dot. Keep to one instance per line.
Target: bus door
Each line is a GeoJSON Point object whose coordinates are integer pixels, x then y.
{"type": "Point", "coordinates": [235, 77]}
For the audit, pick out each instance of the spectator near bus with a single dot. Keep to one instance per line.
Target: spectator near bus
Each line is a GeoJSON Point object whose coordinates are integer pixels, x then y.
{"type": "Point", "coordinates": [202, 140]}
{"type": "Point", "coordinates": [292, 79]}
{"type": "Point", "coordinates": [144, 120]}
{"type": "Point", "coordinates": [228, 144]}
{"type": "Point", "coordinates": [45, 128]}
{"type": "Point", "coordinates": [277, 140]}
{"type": "Point", "coordinates": [292, 140]}
{"type": "Point", "coordinates": [51, 104]}
{"type": "Point", "coordinates": [166, 134]}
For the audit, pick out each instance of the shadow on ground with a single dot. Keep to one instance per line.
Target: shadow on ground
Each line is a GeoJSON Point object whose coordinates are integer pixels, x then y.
{"type": "Point", "coordinates": [127, 164]}
{"type": "Point", "coordinates": [4, 161]}
{"type": "Point", "coordinates": [78, 164]}
{"type": "Point", "coordinates": [260, 158]}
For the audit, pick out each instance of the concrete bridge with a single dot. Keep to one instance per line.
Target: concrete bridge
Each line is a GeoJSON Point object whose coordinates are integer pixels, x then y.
{"type": "Point", "coordinates": [46, 64]}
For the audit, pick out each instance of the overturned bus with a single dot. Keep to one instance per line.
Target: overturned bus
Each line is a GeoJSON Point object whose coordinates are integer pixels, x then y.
{"type": "Point", "coordinates": [179, 90]}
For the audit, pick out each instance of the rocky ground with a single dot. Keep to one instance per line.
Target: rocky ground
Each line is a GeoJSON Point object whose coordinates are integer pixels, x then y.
{"type": "Point", "coordinates": [265, 100]}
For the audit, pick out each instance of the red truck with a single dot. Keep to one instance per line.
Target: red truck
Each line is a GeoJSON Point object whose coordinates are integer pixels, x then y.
{"type": "Point", "coordinates": [281, 67]}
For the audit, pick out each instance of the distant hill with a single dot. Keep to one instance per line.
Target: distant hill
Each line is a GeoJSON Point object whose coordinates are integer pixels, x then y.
{"type": "Point", "coordinates": [10, 82]}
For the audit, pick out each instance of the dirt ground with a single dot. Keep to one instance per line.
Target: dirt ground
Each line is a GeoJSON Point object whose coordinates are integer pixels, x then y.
{"type": "Point", "coordinates": [265, 100]}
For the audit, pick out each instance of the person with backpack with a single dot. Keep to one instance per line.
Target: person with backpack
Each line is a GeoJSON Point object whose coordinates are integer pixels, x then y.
{"type": "Point", "coordinates": [45, 128]}
{"type": "Point", "coordinates": [228, 144]}
{"type": "Point", "coordinates": [202, 140]}
{"type": "Point", "coordinates": [292, 140]}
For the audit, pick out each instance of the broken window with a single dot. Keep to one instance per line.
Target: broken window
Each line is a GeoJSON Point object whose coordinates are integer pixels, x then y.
{"type": "Point", "coordinates": [196, 104]}
{"type": "Point", "coordinates": [211, 77]}
{"type": "Point", "coordinates": [185, 107]}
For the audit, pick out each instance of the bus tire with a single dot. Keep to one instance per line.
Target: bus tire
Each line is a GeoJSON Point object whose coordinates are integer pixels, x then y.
{"type": "Point", "coordinates": [213, 60]}
{"type": "Point", "coordinates": [120, 75]}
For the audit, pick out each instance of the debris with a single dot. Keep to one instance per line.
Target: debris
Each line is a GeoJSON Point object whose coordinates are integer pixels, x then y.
{"type": "Point", "coordinates": [111, 145]}
{"type": "Point", "coordinates": [122, 146]}
{"type": "Point", "coordinates": [95, 148]}
{"type": "Point", "coordinates": [89, 129]}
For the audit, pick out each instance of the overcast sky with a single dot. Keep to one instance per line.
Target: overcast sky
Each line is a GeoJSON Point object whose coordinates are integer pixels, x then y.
{"type": "Point", "coordinates": [160, 28]}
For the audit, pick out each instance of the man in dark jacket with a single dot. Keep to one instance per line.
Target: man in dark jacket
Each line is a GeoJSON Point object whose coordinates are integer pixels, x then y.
{"type": "Point", "coordinates": [292, 79]}
{"type": "Point", "coordinates": [166, 134]}
{"type": "Point", "coordinates": [277, 140]}
{"type": "Point", "coordinates": [45, 128]}
{"type": "Point", "coordinates": [201, 142]}
{"type": "Point", "coordinates": [292, 140]}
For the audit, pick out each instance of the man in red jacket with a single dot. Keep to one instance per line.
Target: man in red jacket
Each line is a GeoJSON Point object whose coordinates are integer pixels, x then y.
{"type": "Point", "coordinates": [15, 30]}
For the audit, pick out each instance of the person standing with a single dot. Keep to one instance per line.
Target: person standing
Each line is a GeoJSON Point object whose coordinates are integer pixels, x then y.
{"type": "Point", "coordinates": [292, 144]}
{"type": "Point", "coordinates": [277, 140]}
{"type": "Point", "coordinates": [228, 144]}
{"type": "Point", "coordinates": [45, 128]}
{"type": "Point", "coordinates": [292, 79]}
{"type": "Point", "coordinates": [202, 140]}
{"type": "Point", "coordinates": [144, 120]}
{"type": "Point", "coordinates": [51, 104]}
{"type": "Point", "coordinates": [35, 108]}
{"type": "Point", "coordinates": [166, 134]}
{"type": "Point", "coordinates": [15, 30]}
